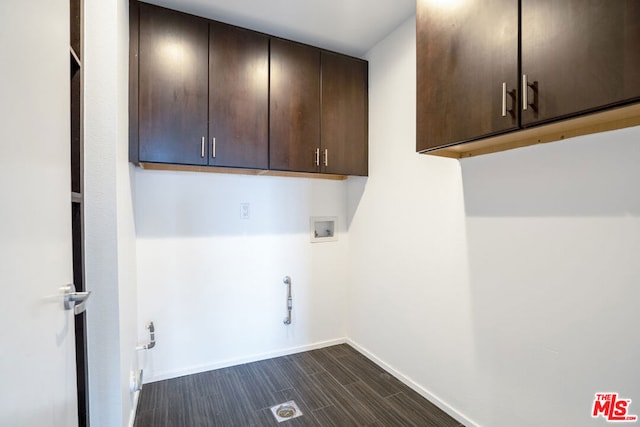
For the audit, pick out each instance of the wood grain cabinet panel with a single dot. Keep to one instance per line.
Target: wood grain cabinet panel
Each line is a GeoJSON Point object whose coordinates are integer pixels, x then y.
{"type": "Point", "coordinates": [486, 68]}
{"type": "Point", "coordinates": [579, 56]}
{"type": "Point", "coordinates": [294, 134]}
{"type": "Point", "coordinates": [465, 54]}
{"type": "Point", "coordinates": [173, 86]}
{"type": "Point", "coordinates": [205, 93]}
{"type": "Point", "coordinates": [344, 122]}
{"type": "Point", "coordinates": [238, 98]}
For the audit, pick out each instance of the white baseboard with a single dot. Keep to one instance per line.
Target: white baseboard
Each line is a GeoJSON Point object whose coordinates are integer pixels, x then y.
{"type": "Point", "coordinates": [134, 408]}
{"type": "Point", "coordinates": [165, 375]}
{"type": "Point", "coordinates": [415, 386]}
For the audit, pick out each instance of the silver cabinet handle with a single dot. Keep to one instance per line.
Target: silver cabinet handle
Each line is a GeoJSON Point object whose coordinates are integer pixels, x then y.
{"type": "Point", "coordinates": [72, 298]}
{"type": "Point", "coordinates": [317, 157]}
{"type": "Point", "coordinates": [202, 148]}
{"type": "Point", "coordinates": [326, 157]}
{"type": "Point", "coordinates": [213, 147]}
{"type": "Point", "coordinates": [504, 99]}
{"type": "Point", "coordinates": [525, 86]}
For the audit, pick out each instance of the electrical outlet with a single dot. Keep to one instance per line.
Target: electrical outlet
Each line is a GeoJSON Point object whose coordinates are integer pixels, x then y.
{"type": "Point", "coordinates": [244, 210]}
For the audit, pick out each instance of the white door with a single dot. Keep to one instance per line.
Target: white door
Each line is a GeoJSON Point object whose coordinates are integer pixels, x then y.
{"type": "Point", "coordinates": [37, 355]}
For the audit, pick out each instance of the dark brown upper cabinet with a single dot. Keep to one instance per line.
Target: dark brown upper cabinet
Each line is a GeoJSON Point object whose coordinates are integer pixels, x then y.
{"type": "Point", "coordinates": [578, 56]}
{"type": "Point", "coordinates": [173, 52]}
{"type": "Point", "coordinates": [238, 97]}
{"type": "Point", "coordinates": [487, 69]}
{"type": "Point", "coordinates": [294, 106]}
{"type": "Point", "coordinates": [205, 93]}
{"type": "Point", "coordinates": [319, 110]}
{"type": "Point", "coordinates": [467, 63]}
{"type": "Point", "coordinates": [344, 115]}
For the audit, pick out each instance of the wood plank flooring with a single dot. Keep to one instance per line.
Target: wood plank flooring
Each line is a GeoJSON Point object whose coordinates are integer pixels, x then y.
{"type": "Point", "coordinates": [333, 386]}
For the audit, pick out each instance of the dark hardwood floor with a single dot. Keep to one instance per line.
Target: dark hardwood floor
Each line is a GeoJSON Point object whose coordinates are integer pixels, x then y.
{"type": "Point", "coordinates": [333, 386]}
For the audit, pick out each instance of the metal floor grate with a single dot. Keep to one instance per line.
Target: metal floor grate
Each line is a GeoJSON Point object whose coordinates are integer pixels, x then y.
{"type": "Point", "coordinates": [286, 411]}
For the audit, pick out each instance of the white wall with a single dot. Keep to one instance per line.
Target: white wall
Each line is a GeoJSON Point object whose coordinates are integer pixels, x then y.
{"type": "Point", "coordinates": [409, 290]}
{"type": "Point", "coordinates": [505, 286]}
{"type": "Point", "coordinates": [127, 286]}
{"type": "Point", "coordinates": [554, 248]}
{"type": "Point", "coordinates": [212, 282]}
{"type": "Point", "coordinates": [109, 232]}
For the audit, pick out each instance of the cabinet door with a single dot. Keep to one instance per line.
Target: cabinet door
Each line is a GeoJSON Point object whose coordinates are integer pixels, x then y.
{"type": "Point", "coordinates": [579, 56]}
{"type": "Point", "coordinates": [344, 122]}
{"type": "Point", "coordinates": [294, 131]}
{"type": "Point", "coordinates": [467, 70]}
{"type": "Point", "coordinates": [238, 100]}
{"type": "Point", "coordinates": [173, 86]}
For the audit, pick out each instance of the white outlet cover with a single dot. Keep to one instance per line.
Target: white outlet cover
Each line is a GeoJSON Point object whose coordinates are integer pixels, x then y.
{"type": "Point", "coordinates": [244, 210]}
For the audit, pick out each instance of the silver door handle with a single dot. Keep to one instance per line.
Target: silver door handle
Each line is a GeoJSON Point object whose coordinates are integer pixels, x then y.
{"type": "Point", "coordinates": [317, 157]}
{"type": "Point", "coordinates": [213, 147]}
{"type": "Point", "coordinates": [75, 300]}
{"type": "Point", "coordinates": [326, 157]}
{"type": "Point", "coordinates": [202, 147]}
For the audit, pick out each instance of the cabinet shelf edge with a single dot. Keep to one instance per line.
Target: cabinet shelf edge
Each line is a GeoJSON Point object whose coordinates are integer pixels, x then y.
{"type": "Point", "coordinates": [240, 171]}
{"type": "Point", "coordinates": [612, 119]}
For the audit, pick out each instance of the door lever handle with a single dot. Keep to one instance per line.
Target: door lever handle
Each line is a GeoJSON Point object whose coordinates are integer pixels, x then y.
{"type": "Point", "coordinates": [75, 300]}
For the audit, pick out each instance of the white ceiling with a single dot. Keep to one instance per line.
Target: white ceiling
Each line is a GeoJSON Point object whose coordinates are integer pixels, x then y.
{"type": "Point", "coordinates": [346, 26]}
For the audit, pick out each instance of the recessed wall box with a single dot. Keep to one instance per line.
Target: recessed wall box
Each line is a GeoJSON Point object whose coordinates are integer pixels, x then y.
{"type": "Point", "coordinates": [323, 229]}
